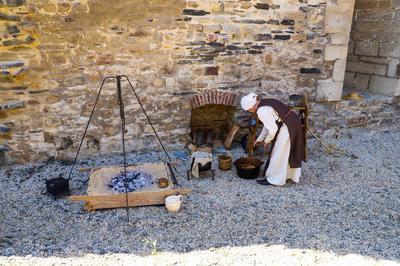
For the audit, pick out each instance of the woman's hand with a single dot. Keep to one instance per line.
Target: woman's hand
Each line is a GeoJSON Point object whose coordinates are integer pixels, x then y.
{"type": "Point", "coordinates": [258, 143]}
{"type": "Point", "coordinates": [266, 145]}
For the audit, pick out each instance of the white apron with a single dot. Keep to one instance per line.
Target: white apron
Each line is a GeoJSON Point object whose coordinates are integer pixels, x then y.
{"type": "Point", "coordinates": [279, 169]}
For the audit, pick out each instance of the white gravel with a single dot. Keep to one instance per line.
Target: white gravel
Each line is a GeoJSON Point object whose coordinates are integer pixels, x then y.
{"type": "Point", "coordinates": [344, 210]}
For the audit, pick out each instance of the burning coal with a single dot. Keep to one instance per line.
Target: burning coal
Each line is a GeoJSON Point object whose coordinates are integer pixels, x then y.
{"type": "Point", "coordinates": [134, 181]}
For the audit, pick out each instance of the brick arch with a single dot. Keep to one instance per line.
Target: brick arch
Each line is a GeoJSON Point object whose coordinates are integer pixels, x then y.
{"type": "Point", "coordinates": [213, 97]}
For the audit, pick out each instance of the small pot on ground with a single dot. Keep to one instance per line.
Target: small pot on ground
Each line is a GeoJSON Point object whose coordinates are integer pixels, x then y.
{"type": "Point", "coordinates": [248, 167]}
{"type": "Point", "coordinates": [225, 162]}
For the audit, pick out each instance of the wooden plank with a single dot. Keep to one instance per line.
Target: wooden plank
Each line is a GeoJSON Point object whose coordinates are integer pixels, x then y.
{"type": "Point", "coordinates": [135, 199]}
{"type": "Point", "coordinates": [231, 136]}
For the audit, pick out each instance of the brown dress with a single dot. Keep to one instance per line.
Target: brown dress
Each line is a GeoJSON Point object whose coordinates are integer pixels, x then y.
{"type": "Point", "coordinates": [293, 123]}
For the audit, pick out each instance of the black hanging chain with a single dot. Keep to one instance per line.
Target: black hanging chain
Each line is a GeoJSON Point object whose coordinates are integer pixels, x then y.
{"type": "Point", "coordinates": [122, 115]}
{"type": "Point", "coordinates": [151, 124]}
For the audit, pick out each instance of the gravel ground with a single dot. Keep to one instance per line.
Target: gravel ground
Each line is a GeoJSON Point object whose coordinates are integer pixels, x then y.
{"type": "Point", "coordinates": [344, 210]}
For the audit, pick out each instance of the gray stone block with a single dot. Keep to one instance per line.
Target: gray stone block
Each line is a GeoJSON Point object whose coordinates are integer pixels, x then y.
{"type": "Point", "coordinates": [378, 25]}
{"type": "Point", "coordinates": [351, 47]}
{"type": "Point", "coordinates": [384, 85]}
{"type": "Point", "coordinates": [366, 48]}
{"type": "Point", "coordinates": [375, 14]}
{"type": "Point", "coordinates": [353, 58]}
{"type": "Point", "coordinates": [348, 80]}
{"type": "Point", "coordinates": [377, 36]}
{"type": "Point", "coordinates": [341, 38]}
{"type": "Point", "coordinates": [338, 16]}
{"type": "Point", "coordinates": [376, 60]}
{"type": "Point", "coordinates": [361, 81]}
{"type": "Point", "coordinates": [397, 13]}
{"type": "Point", "coordinates": [339, 69]}
{"type": "Point", "coordinates": [394, 68]}
{"type": "Point", "coordinates": [390, 50]}
{"type": "Point", "coordinates": [10, 105]}
{"type": "Point", "coordinates": [366, 68]}
{"type": "Point", "coordinates": [334, 52]}
{"type": "Point", "coordinates": [366, 4]}
{"type": "Point", "coordinates": [328, 90]}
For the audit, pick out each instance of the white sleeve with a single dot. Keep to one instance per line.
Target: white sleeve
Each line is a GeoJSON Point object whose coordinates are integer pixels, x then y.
{"type": "Point", "coordinates": [267, 116]}
{"type": "Point", "coordinates": [263, 135]}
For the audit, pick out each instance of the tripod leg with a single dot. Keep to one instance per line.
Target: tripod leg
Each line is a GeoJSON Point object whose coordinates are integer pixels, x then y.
{"type": "Point", "coordinates": [86, 128]}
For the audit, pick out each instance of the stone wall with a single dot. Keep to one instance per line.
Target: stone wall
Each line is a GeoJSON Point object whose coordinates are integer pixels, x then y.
{"type": "Point", "coordinates": [374, 55]}
{"type": "Point", "coordinates": [55, 53]}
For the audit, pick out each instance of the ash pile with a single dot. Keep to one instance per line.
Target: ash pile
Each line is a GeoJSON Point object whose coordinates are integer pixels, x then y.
{"type": "Point", "coordinates": [134, 181]}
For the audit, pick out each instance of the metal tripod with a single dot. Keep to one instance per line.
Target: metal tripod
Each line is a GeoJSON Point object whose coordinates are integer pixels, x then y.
{"type": "Point", "coordinates": [122, 116]}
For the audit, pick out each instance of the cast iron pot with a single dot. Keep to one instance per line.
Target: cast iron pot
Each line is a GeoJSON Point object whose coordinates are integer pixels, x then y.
{"type": "Point", "coordinates": [57, 187]}
{"type": "Point", "coordinates": [206, 167]}
{"type": "Point", "coordinates": [248, 167]}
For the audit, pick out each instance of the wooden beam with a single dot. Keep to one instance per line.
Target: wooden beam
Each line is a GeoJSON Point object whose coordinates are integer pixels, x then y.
{"type": "Point", "coordinates": [135, 199]}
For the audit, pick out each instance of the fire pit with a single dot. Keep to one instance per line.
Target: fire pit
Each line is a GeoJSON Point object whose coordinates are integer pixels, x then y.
{"type": "Point", "coordinates": [134, 181]}
{"type": "Point", "coordinates": [100, 195]}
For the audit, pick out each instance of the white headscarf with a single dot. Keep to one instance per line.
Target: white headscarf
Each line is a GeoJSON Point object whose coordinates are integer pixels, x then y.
{"type": "Point", "coordinates": [248, 101]}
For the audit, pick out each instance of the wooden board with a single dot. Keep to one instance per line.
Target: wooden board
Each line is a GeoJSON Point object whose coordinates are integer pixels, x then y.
{"type": "Point", "coordinates": [231, 136]}
{"type": "Point", "coordinates": [135, 199]}
{"type": "Point", "coordinates": [101, 196]}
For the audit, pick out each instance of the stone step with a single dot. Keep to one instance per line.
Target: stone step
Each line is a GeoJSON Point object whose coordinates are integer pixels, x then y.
{"type": "Point", "coordinates": [10, 105]}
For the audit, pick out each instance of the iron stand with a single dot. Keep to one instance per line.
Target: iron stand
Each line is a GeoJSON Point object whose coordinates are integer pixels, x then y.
{"type": "Point", "coordinates": [120, 102]}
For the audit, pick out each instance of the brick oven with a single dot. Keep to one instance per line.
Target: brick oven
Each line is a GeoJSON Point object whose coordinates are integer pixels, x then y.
{"type": "Point", "coordinates": [212, 117]}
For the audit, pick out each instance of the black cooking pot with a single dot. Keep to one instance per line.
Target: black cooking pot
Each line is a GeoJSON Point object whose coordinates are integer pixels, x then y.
{"type": "Point", "coordinates": [248, 167]}
{"type": "Point", "coordinates": [58, 186]}
{"type": "Point", "coordinates": [206, 167]}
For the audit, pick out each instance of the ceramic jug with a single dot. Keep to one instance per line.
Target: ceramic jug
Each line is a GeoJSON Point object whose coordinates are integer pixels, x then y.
{"type": "Point", "coordinates": [173, 203]}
